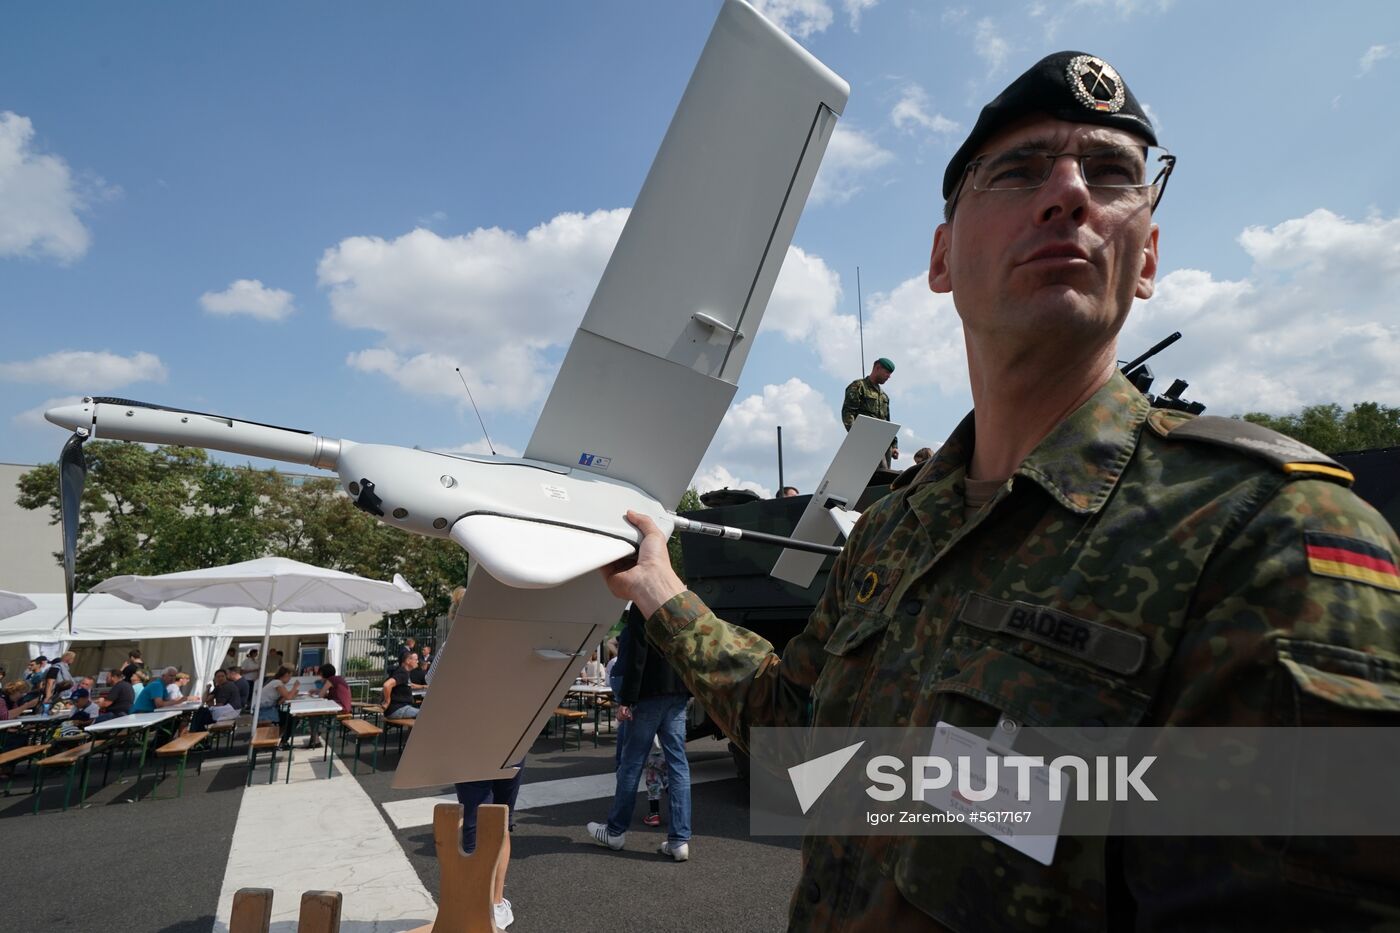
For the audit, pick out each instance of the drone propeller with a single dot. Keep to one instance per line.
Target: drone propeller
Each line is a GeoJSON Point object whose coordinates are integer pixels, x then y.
{"type": "Point", "coordinates": [72, 473]}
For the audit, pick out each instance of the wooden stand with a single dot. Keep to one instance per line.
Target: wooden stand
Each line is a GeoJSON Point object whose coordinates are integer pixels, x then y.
{"type": "Point", "coordinates": [252, 911]}
{"type": "Point", "coordinates": [465, 881]}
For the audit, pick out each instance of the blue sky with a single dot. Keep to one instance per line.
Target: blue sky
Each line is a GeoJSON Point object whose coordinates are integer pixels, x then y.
{"type": "Point", "coordinates": [306, 214]}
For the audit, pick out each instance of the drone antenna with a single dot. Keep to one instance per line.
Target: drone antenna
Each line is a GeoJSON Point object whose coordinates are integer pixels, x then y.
{"type": "Point", "coordinates": [860, 321]}
{"type": "Point", "coordinates": [477, 410]}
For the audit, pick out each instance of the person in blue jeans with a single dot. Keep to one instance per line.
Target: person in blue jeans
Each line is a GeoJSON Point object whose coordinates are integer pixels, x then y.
{"type": "Point", "coordinates": [652, 702]}
{"type": "Point", "coordinates": [624, 653]}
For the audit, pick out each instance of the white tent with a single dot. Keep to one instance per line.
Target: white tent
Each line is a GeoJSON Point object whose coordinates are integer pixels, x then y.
{"type": "Point", "coordinates": [100, 617]}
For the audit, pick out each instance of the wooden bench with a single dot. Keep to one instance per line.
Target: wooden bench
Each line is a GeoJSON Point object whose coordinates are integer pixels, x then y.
{"type": "Point", "coordinates": [225, 729]}
{"type": "Point", "coordinates": [359, 730]}
{"type": "Point", "coordinates": [69, 761]}
{"type": "Point", "coordinates": [181, 747]}
{"type": "Point", "coordinates": [266, 739]}
{"type": "Point", "coordinates": [403, 725]}
{"type": "Point", "coordinates": [564, 718]}
{"type": "Point", "coordinates": [367, 711]}
{"type": "Point", "coordinates": [16, 755]}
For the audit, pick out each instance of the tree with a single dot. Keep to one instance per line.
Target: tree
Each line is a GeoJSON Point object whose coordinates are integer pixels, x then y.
{"type": "Point", "coordinates": [152, 511]}
{"type": "Point", "coordinates": [1331, 430]}
{"type": "Point", "coordinates": [690, 502]}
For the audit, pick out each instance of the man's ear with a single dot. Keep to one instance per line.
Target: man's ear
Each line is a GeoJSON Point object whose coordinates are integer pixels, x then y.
{"type": "Point", "coordinates": [939, 278]}
{"type": "Point", "coordinates": [1147, 278]}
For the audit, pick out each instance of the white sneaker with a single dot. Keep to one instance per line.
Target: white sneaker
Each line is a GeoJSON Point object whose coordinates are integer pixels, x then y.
{"type": "Point", "coordinates": [680, 851]}
{"type": "Point", "coordinates": [504, 915]}
{"type": "Point", "coordinates": [600, 834]}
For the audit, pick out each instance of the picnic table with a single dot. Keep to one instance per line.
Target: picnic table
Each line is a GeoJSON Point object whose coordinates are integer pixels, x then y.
{"type": "Point", "coordinates": [35, 722]}
{"type": "Point", "coordinates": [139, 725]}
{"type": "Point", "coordinates": [313, 710]}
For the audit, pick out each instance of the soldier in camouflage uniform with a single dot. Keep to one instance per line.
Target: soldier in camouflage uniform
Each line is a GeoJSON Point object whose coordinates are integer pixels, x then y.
{"type": "Point", "coordinates": [1222, 574]}
{"type": "Point", "coordinates": [865, 397]}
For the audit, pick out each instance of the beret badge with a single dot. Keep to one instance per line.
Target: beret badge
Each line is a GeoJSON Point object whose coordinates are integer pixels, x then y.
{"type": "Point", "coordinates": [1095, 83]}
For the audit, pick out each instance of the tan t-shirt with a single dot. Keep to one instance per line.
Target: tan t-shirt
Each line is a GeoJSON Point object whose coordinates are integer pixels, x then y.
{"type": "Point", "coordinates": [977, 493]}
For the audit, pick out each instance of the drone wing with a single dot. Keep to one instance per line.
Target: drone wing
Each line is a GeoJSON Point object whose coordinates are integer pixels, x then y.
{"type": "Point", "coordinates": [649, 374]}
{"type": "Point", "coordinates": [828, 514]}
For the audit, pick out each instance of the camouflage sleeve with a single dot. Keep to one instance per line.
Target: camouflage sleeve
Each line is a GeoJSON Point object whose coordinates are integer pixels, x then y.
{"type": "Point", "coordinates": [850, 406]}
{"type": "Point", "coordinates": [735, 674]}
{"type": "Point", "coordinates": [1296, 621]}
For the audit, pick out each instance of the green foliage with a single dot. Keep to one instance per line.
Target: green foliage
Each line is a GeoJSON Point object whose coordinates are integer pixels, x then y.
{"type": "Point", "coordinates": [357, 666]}
{"type": "Point", "coordinates": [690, 502]}
{"type": "Point", "coordinates": [156, 511]}
{"type": "Point", "coordinates": [1332, 430]}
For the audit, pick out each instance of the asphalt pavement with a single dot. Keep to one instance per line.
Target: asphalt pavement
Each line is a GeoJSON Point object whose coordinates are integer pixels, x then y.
{"type": "Point", "coordinates": [157, 866]}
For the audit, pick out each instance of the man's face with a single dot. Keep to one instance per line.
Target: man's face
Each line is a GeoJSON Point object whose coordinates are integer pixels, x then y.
{"type": "Point", "coordinates": [879, 374]}
{"type": "Point", "coordinates": [169, 679]}
{"type": "Point", "coordinates": [1062, 259]}
{"type": "Point", "coordinates": [220, 678]}
{"type": "Point", "coordinates": [410, 661]}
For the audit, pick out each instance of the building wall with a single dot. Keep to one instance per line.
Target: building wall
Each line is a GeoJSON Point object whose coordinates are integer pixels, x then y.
{"type": "Point", "coordinates": [27, 541]}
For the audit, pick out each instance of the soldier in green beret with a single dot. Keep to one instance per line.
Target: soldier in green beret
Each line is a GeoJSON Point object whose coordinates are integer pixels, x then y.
{"type": "Point", "coordinates": [1221, 574]}
{"type": "Point", "coordinates": [865, 397]}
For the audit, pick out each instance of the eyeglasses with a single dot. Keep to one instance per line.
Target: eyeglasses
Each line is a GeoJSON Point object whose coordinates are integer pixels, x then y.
{"type": "Point", "coordinates": [1112, 170]}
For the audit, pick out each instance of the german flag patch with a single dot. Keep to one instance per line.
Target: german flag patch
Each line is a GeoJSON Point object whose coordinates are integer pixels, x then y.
{"type": "Point", "coordinates": [1351, 559]}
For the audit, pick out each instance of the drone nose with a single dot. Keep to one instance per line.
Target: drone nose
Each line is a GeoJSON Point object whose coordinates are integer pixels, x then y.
{"type": "Point", "coordinates": [70, 416]}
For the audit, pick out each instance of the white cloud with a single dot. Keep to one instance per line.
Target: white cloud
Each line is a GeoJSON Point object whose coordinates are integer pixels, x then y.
{"type": "Point", "coordinates": [85, 369]}
{"type": "Point", "coordinates": [250, 297]}
{"type": "Point", "coordinates": [799, 18]}
{"type": "Point", "coordinates": [34, 417]}
{"type": "Point", "coordinates": [849, 155]}
{"type": "Point", "coordinates": [909, 324]}
{"type": "Point", "coordinates": [39, 200]}
{"type": "Point", "coordinates": [492, 302]}
{"type": "Point", "coordinates": [854, 9]}
{"type": "Point", "coordinates": [990, 46]}
{"type": "Point", "coordinates": [715, 477]}
{"type": "Point", "coordinates": [1371, 57]}
{"type": "Point", "coordinates": [746, 445]}
{"type": "Point", "coordinates": [805, 297]}
{"type": "Point", "coordinates": [912, 111]}
{"type": "Point", "coordinates": [1056, 15]}
{"type": "Point", "coordinates": [1313, 322]}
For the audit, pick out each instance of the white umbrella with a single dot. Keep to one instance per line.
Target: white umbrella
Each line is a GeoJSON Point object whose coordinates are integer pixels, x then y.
{"type": "Point", "coordinates": [270, 584]}
{"type": "Point", "coordinates": [12, 604]}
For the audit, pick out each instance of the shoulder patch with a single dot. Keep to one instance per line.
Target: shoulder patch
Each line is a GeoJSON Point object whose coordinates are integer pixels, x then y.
{"type": "Point", "coordinates": [1279, 450]}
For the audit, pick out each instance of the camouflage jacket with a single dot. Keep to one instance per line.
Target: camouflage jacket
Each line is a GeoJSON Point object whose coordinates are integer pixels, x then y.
{"type": "Point", "coordinates": [1194, 551]}
{"type": "Point", "coordinates": [864, 397]}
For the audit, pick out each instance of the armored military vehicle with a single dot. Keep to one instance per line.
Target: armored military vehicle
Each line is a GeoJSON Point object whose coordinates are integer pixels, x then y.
{"type": "Point", "coordinates": [732, 576]}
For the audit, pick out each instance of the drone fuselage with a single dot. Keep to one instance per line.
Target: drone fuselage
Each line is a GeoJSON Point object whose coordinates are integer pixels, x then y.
{"type": "Point", "coordinates": [530, 524]}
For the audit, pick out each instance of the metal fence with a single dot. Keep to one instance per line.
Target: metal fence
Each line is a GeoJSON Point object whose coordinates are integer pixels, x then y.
{"type": "Point", "coordinates": [373, 654]}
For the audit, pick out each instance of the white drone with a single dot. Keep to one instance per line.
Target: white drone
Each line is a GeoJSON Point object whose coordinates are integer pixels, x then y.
{"type": "Point", "coordinates": [640, 394]}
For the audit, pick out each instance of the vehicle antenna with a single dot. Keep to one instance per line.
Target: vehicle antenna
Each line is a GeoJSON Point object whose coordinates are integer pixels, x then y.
{"type": "Point", "coordinates": [484, 433]}
{"type": "Point", "coordinates": [860, 321]}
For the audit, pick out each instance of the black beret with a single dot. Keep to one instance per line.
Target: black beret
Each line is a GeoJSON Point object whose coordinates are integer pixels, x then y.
{"type": "Point", "coordinates": [1072, 86]}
